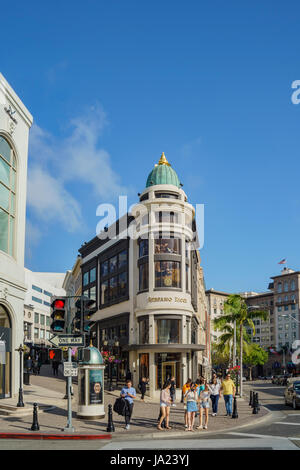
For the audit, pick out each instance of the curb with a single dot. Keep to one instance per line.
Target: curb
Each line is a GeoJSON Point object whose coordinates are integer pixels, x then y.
{"type": "Point", "coordinates": [168, 435]}
{"type": "Point", "coordinates": [40, 436]}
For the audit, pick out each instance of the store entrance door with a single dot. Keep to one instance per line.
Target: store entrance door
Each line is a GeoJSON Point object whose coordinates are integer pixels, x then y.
{"type": "Point", "coordinates": [168, 371]}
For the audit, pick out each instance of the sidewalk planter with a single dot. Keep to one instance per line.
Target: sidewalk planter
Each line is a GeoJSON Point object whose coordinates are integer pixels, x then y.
{"type": "Point", "coordinates": [91, 387]}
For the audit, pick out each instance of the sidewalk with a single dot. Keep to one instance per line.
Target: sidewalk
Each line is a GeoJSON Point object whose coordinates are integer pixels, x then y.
{"type": "Point", "coordinates": [52, 417]}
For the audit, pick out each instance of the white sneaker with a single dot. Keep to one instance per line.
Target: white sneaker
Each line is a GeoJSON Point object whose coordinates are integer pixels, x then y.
{"type": "Point", "coordinates": [173, 404]}
{"type": "Point", "coordinates": [127, 426]}
{"type": "Point", "coordinates": [204, 427]}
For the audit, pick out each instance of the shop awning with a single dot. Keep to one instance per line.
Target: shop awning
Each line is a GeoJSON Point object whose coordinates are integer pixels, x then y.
{"type": "Point", "coordinates": [164, 347]}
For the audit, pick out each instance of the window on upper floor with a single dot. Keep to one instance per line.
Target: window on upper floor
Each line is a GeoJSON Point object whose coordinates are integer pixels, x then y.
{"type": "Point", "coordinates": [279, 287]}
{"type": "Point", "coordinates": [7, 197]}
{"type": "Point", "coordinates": [286, 286]}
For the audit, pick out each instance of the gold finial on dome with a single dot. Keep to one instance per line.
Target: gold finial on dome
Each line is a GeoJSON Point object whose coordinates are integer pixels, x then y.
{"type": "Point", "coordinates": [163, 160]}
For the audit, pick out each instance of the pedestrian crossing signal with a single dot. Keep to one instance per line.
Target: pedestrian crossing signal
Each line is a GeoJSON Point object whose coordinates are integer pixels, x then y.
{"type": "Point", "coordinates": [55, 354]}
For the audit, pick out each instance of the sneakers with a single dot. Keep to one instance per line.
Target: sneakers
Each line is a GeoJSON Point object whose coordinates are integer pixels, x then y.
{"type": "Point", "coordinates": [204, 427]}
{"type": "Point", "coordinates": [127, 426]}
{"type": "Point", "coordinates": [173, 404]}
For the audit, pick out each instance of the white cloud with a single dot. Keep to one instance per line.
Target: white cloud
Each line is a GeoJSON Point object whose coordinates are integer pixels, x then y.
{"type": "Point", "coordinates": [55, 164]}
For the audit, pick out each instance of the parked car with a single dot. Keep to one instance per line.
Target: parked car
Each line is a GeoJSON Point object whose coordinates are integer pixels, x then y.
{"type": "Point", "coordinates": [292, 394]}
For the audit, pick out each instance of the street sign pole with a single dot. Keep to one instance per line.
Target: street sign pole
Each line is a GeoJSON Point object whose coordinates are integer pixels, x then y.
{"type": "Point", "coordinates": [69, 427]}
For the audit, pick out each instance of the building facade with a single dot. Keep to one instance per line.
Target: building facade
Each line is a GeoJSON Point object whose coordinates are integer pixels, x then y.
{"type": "Point", "coordinates": [278, 333]}
{"type": "Point", "coordinates": [15, 122]}
{"type": "Point", "coordinates": [143, 273]}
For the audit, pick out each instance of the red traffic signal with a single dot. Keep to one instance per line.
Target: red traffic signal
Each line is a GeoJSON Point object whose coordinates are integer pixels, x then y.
{"type": "Point", "coordinates": [58, 315]}
{"type": "Point", "coordinates": [55, 354]}
{"type": "Point", "coordinates": [59, 304]}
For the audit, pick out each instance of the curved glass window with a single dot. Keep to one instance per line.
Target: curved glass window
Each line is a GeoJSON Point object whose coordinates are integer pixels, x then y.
{"type": "Point", "coordinates": [167, 274]}
{"type": "Point", "coordinates": [143, 248]}
{"type": "Point", "coordinates": [166, 217]}
{"type": "Point", "coordinates": [167, 195]}
{"type": "Point", "coordinates": [7, 196]}
{"type": "Point", "coordinates": [168, 331]}
{"type": "Point", "coordinates": [167, 245]}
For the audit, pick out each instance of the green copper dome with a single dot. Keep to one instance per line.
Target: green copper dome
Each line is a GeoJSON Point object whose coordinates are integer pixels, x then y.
{"type": "Point", "coordinates": [163, 173]}
{"type": "Point", "coordinates": [96, 356]}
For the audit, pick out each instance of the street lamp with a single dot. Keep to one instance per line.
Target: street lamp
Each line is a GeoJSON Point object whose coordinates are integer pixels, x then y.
{"type": "Point", "coordinates": [20, 350]}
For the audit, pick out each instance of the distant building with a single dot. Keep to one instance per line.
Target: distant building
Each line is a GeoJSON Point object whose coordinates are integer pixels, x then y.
{"type": "Point", "coordinates": [282, 328]}
{"type": "Point", "coordinates": [41, 287]}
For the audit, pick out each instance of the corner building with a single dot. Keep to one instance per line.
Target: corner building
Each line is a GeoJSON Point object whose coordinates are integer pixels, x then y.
{"type": "Point", "coordinates": [143, 274]}
{"type": "Point", "coordinates": [15, 122]}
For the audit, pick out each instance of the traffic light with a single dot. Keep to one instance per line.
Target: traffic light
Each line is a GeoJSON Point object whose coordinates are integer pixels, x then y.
{"type": "Point", "coordinates": [55, 355]}
{"type": "Point", "coordinates": [77, 321]}
{"type": "Point", "coordinates": [88, 306]}
{"type": "Point", "coordinates": [58, 315]}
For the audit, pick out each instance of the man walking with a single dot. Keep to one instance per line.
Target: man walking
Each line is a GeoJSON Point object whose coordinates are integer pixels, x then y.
{"type": "Point", "coordinates": [228, 389]}
{"type": "Point", "coordinates": [129, 393]}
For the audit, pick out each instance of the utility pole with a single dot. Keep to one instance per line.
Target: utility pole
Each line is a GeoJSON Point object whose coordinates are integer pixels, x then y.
{"type": "Point", "coordinates": [69, 426]}
{"type": "Point", "coordinates": [234, 343]}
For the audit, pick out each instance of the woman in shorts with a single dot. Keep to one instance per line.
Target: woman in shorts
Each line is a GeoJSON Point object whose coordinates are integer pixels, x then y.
{"type": "Point", "coordinates": [165, 403]}
{"type": "Point", "coordinates": [191, 406]}
{"type": "Point", "coordinates": [204, 396]}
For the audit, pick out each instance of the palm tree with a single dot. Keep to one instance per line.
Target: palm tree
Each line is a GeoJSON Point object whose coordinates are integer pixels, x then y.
{"type": "Point", "coordinates": [226, 340]}
{"type": "Point", "coordinates": [236, 310]}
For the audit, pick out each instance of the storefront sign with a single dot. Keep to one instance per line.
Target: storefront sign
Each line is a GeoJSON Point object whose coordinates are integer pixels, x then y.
{"type": "Point", "coordinates": [167, 299]}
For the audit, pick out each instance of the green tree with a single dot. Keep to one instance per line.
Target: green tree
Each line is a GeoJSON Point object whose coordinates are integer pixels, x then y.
{"type": "Point", "coordinates": [255, 356]}
{"type": "Point", "coordinates": [236, 310]}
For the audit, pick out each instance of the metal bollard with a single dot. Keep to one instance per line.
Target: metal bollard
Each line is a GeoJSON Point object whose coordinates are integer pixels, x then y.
{"type": "Point", "coordinates": [257, 402]}
{"type": "Point", "coordinates": [110, 425]}
{"type": "Point", "coordinates": [251, 398]}
{"type": "Point", "coordinates": [35, 424]}
{"type": "Point", "coordinates": [255, 407]}
{"type": "Point", "coordinates": [235, 413]}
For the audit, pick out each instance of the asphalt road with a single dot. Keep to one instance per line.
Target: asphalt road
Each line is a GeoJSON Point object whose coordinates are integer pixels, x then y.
{"type": "Point", "coordinates": [280, 431]}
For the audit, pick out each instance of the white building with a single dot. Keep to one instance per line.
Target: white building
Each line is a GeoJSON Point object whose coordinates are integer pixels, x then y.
{"type": "Point", "coordinates": [145, 283]}
{"type": "Point", "coordinates": [40, 288]}
{"type": "Point", "coordinates": [15, 122]}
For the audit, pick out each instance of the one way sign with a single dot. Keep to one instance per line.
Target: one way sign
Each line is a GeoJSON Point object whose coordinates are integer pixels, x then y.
{"type": "Point", "coordinates": [67, 340]}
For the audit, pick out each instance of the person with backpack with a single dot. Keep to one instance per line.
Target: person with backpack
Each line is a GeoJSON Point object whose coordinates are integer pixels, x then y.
{"type": "Point", "coordinates": [129, 393]}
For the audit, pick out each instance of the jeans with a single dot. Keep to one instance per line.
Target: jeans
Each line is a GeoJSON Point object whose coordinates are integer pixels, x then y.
{"type": "Point", "coordinates": [214, 402]}
{"type": "Point", "coordinates": [128, 413]}
{"type": "Point", "coordinates": [228, 403]}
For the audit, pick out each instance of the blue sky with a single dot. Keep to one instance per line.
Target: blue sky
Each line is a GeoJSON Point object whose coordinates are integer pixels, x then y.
{"type": "Point", "coordinates": [113, 84]}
